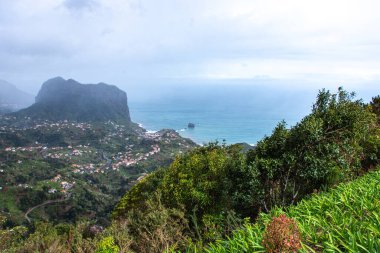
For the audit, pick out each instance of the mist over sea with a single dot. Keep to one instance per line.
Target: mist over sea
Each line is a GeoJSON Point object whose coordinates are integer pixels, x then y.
{"type": "Point", "coordinates": [234, 113]}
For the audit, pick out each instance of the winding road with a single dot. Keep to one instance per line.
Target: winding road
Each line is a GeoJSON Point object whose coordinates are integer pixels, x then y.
{"type": "Point", "coordinates": [47, 202]}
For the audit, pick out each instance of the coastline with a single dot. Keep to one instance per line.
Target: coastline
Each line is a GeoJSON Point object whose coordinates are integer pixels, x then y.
{"type": "Point", "coordinates": [182, 130]}
{"type": "Point", "coordinates": [198, 142]}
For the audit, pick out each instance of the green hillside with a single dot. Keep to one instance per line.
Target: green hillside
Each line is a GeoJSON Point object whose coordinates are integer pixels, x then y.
{"type": "Point", "coordinates": [344, 219]}
{"type": "Point", "coordinates": [91, 165]}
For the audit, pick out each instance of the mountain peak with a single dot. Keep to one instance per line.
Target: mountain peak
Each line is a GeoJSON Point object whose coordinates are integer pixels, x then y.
{"type": "Point", "coordinates": [13, 99]}
{"type": "Point", "coordinates": [57, 78]}
{"type": "Point", "coordinates": [60, 99]}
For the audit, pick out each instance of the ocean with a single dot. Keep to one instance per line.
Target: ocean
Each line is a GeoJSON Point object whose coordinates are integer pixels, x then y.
{"type": "Point", "coordinates": [229, 113]}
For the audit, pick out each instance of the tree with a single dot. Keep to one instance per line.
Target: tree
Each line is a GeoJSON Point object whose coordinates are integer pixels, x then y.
{"type": "Point", "coordinates": [375, 107]}
{"type": "Point", "coordinates": [326, 147]}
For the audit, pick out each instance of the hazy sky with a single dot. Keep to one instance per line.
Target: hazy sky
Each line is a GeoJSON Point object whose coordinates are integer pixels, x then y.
{"type": "Point", "coordinates": [132, 42]}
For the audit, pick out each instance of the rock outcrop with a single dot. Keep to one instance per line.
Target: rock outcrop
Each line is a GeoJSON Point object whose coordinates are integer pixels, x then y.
{"type": "Point", "coordinates": [60, 99]}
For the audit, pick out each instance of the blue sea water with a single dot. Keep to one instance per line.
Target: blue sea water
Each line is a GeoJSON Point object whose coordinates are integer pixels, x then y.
{"type": "Point", "coordinates": [229, 113]}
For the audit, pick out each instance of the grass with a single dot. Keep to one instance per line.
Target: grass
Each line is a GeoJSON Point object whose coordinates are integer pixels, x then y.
{"type": "Point", "coordinates": [344, 219]}
{"type": "Point", "coordinates": [8, 200]}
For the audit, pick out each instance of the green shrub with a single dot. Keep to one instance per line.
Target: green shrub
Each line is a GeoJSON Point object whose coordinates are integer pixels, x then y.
{"type": "Point", "coordinates": [107, 245]}
{"type": "Point", "coordinates": [152, 229]}
{"type": "Point", "coordinates": [204, 183]}
{"type": "Point", "coordinates": [137, 196]}
{"type": "Point", "coordinates": [49, 238]}
{"type": "Point", "coordinates": [345, 219]}
{"type": "Point", "coordinates": [10, 237]}
{"type": "Point", "coordinates": [375, 107]}
{"type": "Point", "coordinates": [327, 147]}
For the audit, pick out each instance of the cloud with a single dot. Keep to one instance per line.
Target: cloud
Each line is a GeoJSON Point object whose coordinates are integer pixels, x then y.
{"type": "Point", "coordinates": [128, 41]}
{"type": "Point", "coordinates": [79, 4]}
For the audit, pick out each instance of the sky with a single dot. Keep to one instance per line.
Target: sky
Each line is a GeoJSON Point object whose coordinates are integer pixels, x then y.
{"type": "Point", "coordinates": [143, 43]}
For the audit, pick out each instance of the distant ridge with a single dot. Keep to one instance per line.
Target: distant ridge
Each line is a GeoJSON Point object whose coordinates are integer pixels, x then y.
{"type": "Point", "coordinates": [13, 99]}
{"type": "Point", "coordinates": [60, 99]}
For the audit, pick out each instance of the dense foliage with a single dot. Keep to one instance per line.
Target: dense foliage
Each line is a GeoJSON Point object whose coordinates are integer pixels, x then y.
{"type": "Point", "coordinates": [328, 146]}
{"type": "Point", "coordinates": [345, 219]}
{"type": "Point", "coordinates": [337, 142]}
{"type": "Point", "coordinates": [375, 107]}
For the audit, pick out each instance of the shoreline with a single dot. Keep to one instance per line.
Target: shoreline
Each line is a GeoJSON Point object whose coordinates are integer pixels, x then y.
{"type": "Point", "coordinates": [149, 131]}
{"type": "Point", "coordinates": [200, 143]}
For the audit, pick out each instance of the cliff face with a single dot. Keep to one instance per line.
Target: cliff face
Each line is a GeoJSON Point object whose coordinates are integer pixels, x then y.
{"type": "Point", "coordinates": [61, 99]}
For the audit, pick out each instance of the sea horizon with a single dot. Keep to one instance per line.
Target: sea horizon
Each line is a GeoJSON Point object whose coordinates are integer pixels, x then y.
{"type": "Point", "coordinates": [227, 113]}
{"type": "Point", "coordinates": [231, 115]}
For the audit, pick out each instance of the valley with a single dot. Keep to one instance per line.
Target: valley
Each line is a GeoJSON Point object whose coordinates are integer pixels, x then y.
{"type": "Point", "coordinates": [90, 165]}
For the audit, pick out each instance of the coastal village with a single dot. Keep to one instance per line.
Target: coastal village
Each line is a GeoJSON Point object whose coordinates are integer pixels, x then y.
{"type": "Point", "coordinates": [76, 155]}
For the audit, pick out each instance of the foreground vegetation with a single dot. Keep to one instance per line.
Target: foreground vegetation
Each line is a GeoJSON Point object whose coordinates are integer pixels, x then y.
{"type": "Point", "coordinates": [345, 219]}
{"type": "Point", "coordinates": [216, 192]}
{"type": "Point", "coordinates": [217, 186]}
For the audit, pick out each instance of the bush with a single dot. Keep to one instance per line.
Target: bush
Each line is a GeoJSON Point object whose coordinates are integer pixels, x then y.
{"type": "Point", "coordinates": [203, 183]}
{"type": "Point", "coordinates": [154, 229]}
{"type": "Point", "coordinates": [10, 237]}
{"type": "Point", "coordinates": [137, 196]}
{"type": "Point", "coordinates": [281, 235]}
{"type": "Point", "coordinates": [107, 245]}
{"type": "Point", "coordinates": [61, 238]}
{"type": "Point", "coordinates": [327, 147]}
{"type": "Point", "coordinates": [375, 107]}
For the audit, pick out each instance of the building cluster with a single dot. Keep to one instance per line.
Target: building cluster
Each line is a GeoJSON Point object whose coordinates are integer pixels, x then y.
{"type": "Point", "coordinates": [87, 168]}
{"type": "Point", "coordinates": [165, 136]}
{"type": "Point", "coordinates": [73, 151]}
{"type": "Point", "coordinates": [86, 159]}
{"type": "Point", "coordinates": [65, 186]}
{"type": "Point", "coordinates": [126, 159]}
{"type": "Point", "coordinates": [25, 149]}
{"type": "Point", "coordinates": [61, 125]}
{"type": "Point", "coordinates": [38, 124]}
